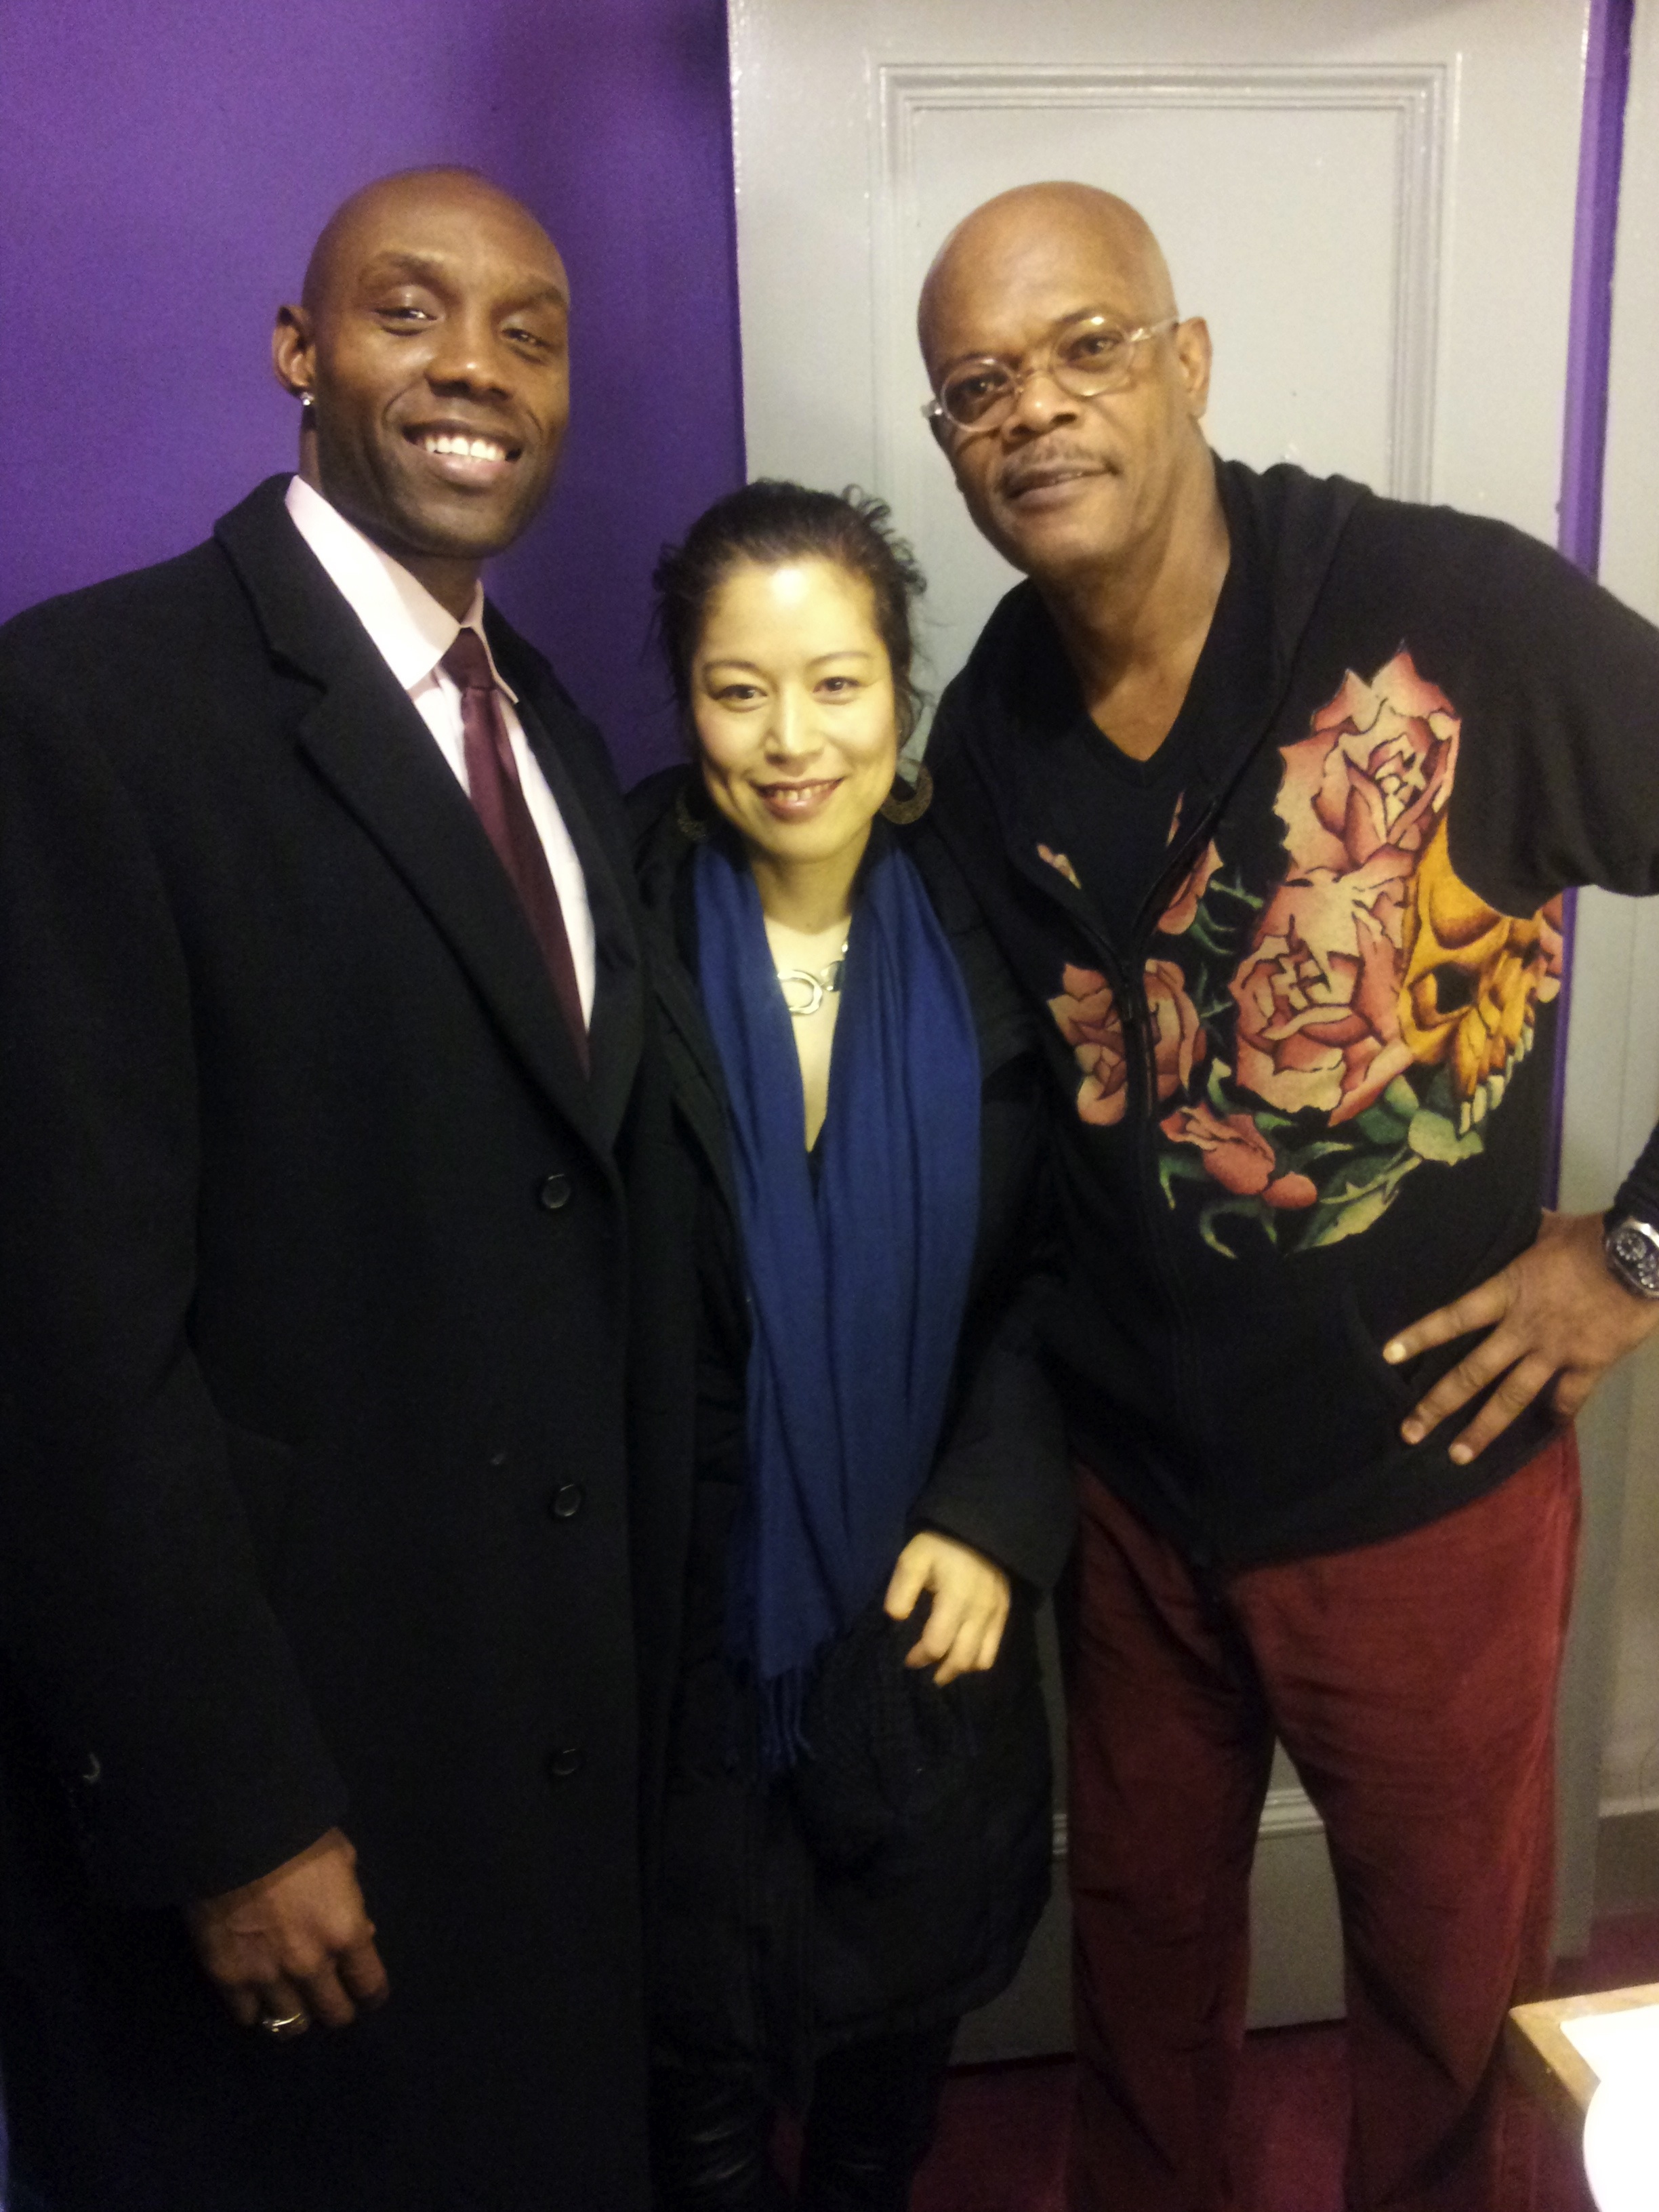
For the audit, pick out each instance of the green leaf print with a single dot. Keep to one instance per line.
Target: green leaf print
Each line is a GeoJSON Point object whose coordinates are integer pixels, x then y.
{"type": "Point", "coordinates": [1352, 1221]}
{"type": "Point", "coordinates": [1432, 1137]}
{"type": "Point", "coordinates": [1199, 932]}
{"type": "Point", "coordinates": [1175, 1167]}
{"type": "Point", "coordinates": [1399, 1099]}
{"type": "Point", "coordinates": [1250, 1209]}
{"type": "Point", "coordinates": [1378, 1127]}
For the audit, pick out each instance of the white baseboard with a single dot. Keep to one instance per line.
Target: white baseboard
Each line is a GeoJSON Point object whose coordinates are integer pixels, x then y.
{"type": "Point", "coordinates": [1621, 1809]}
{"type": "Point", "coordinates": [1288, 1811]}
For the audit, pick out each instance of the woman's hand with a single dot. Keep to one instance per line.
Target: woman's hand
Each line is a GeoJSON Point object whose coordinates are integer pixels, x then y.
{"type": "Point", "coordinates": [969, 1609]}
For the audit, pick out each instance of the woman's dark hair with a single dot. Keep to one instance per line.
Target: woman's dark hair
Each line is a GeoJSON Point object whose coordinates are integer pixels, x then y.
{"type": "Point", "coordinates": [770, 522]}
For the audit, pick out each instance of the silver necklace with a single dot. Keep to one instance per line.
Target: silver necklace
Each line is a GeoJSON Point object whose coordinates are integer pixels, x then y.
{"type": "Point", "coordinates": [811, 986]}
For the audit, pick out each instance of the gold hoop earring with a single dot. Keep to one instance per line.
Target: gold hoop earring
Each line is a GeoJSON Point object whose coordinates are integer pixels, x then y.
{"type": "Point", "coordinates": [694, 831]}
{"type": "Point", "coordinates": [903, 810]}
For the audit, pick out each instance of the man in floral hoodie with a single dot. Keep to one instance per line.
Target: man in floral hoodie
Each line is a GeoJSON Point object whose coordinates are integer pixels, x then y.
{"type": "Point", "coordinates": [1271, 789]}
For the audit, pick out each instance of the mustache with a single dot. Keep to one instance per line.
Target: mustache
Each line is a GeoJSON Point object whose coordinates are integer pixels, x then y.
{"type": "Point", "coordinates": [1043, 464]}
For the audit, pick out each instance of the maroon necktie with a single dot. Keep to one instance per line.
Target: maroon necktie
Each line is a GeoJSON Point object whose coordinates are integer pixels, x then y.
{"type": "Point", "coordinates": [492, 778]}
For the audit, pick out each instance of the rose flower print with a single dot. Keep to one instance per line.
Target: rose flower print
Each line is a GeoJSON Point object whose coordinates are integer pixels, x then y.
{"type": "Point", "coordinates": [1182, 912]}
{"type": "Point", "coordinates": [1318, 996]}
{"type": "Point", "coordinates": [1379, 1007]}
{"type": "Point", "coordinates": [1376, 770]}
{"type": "Point", "coordinates": [1235, 1152]}
{"type": "Point", "coordinates": [1088, 1017]}
{"type": "Point", "coordinates": [1177, 1035]}
{"type": "Point", "coordinates": [1361, 798]}
{"type": "Point", "coordinates": [1089, 1020]}
{"type": "Point", "coordinates": [1060, 865]}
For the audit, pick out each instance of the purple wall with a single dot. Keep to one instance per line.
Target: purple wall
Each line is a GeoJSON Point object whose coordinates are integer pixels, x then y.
{"type": "Point", "coordinates": [1601, 152]}
{"type": "Point", "coordinates": [163, 170]}
{"type": "Point", "coordinates": [1584, 427]}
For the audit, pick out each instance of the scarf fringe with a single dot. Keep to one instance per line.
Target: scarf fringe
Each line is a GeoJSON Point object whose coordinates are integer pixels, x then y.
{"type": "Point", "coordinates": [782, 1705]}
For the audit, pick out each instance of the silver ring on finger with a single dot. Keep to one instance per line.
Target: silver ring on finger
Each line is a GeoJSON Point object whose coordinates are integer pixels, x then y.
{"type": "Point", "coordinates": [284, 2023]}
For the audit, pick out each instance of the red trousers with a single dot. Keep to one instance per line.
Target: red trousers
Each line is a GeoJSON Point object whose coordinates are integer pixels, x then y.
{"type": "Point", "coordinates": [1413, 1683]}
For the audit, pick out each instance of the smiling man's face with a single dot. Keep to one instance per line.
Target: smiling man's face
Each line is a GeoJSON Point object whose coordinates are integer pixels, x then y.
{"type": "Point", "coordinates": [1065, 487]}
{"type": "Point", "coordinates": [432, 342]}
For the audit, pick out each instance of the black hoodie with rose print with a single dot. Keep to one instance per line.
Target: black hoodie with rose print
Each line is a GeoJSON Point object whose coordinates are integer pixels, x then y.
{"type": "Point", "coordinates": [1308, 1074]}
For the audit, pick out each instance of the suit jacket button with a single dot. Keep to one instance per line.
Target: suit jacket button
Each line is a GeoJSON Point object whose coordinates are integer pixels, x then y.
{"type": "Point", "coordinates": [564, 1762]}
{"type": "Point", "coordinates": [567, 1501]}
{"type": "Point", "coordinates": [556, 1192]}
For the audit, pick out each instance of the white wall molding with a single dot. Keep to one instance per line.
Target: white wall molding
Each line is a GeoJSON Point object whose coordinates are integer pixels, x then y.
{"type": "Point", "coordinates": [1634, 1805]}
{"type": "Point", "coordinates": [1289, 1811]}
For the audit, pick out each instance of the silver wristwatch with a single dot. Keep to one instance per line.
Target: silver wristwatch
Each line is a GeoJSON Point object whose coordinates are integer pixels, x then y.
{"type": "Point", "coordinates": [1631, 1249]}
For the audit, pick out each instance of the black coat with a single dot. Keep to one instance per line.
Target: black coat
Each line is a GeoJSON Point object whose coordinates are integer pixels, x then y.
{"type": "Point", "coordinates": [314, 1502]}
{"type": "Point", "coordinates": [919, 1927]}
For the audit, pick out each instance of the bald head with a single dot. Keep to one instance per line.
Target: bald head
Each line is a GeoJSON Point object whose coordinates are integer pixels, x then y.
{"type": "Point", "coordinates": [429, 352]}
{"type": "Point", "coordinates": [1066, 484]}
{"type": "Point", "coordinates": [1037, 232]}
{"type": "Point", "coordinates": [406, 199]}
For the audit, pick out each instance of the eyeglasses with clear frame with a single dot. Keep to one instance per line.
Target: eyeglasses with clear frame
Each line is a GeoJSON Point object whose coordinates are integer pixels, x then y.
{"type": "Point", "coordinates": [1088, 358]}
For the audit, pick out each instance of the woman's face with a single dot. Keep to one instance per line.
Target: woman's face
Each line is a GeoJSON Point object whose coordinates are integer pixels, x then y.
{"type": "Point", "coordinates": [791, 694]}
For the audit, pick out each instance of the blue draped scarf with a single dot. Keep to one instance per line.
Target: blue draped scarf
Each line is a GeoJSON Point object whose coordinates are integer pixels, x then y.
{"type": "Point", "coordinates": [857, 1284]}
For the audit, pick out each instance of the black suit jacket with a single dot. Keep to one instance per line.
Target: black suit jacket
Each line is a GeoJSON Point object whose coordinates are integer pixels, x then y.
{"type": "Point", "coordinates": [314, 1490]}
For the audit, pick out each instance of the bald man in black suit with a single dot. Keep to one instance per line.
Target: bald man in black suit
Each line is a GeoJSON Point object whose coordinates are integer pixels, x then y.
{"type": "Point", "coordinates": [315, 1576]}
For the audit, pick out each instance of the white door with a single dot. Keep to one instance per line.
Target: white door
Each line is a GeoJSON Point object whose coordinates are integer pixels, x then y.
{"type": "Point", "coordinates": [1371, 200]}
{"type": "Point", "coordinates": [1372, 203]}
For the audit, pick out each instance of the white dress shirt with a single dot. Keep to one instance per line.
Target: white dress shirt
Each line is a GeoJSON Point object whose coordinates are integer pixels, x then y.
{"type": "Point", "coordinates": [412, 633]}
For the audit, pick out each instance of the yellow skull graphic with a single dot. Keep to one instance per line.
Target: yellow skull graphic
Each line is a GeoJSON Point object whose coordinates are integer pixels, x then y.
{"type": "Point", "coordinates": [1474, 980]}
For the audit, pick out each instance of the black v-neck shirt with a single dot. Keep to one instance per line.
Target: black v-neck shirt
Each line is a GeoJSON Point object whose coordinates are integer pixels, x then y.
{"type": "Point", "coordinates": [1111, 821]}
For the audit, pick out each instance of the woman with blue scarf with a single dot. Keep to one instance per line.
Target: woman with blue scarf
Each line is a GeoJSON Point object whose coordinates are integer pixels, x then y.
{"type": "Point", "coordinates": [854, 1839]}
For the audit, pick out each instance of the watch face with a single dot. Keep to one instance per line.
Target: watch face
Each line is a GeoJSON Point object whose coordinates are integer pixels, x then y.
{"type": "Point", "coordinates": [1633, 1255]}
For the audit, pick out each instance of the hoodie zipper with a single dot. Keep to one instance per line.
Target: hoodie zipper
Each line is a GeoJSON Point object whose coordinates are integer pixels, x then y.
{"type": "Point", "coordinates": [1128, 985]}
{"type": "Point", "coordinates": [1135, 1007]}
{"type": "Point", "coordinates": [1191, 1395]}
